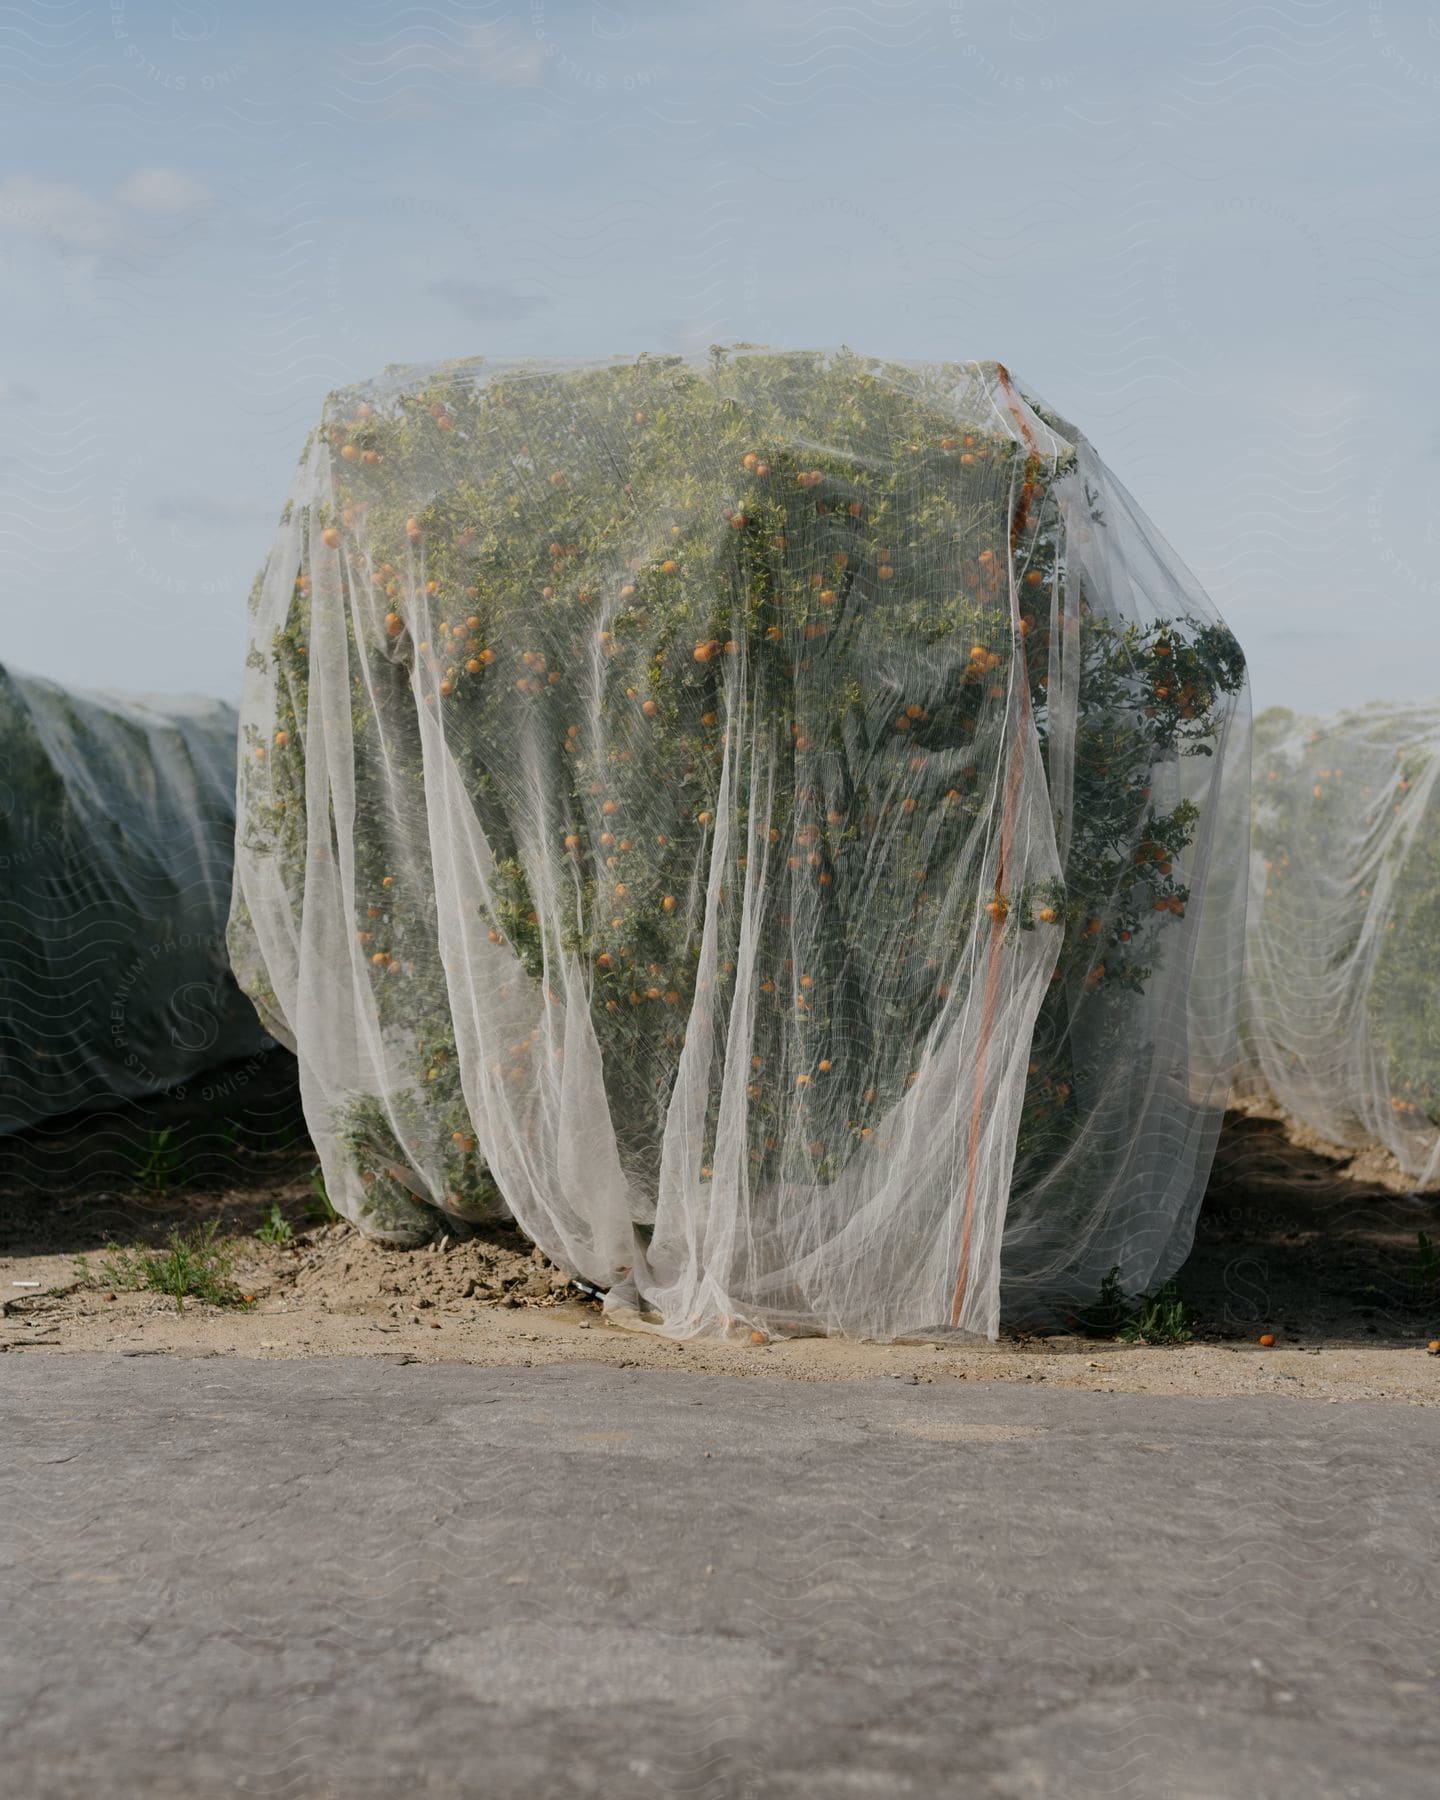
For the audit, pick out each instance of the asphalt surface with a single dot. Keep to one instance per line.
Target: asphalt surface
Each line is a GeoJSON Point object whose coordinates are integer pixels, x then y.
{"type": "Point", "coordinates": [351, 1578]}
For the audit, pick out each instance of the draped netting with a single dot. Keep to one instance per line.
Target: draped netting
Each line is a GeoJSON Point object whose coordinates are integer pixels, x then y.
{"type": "Point", "coordinates": [117, 830]}
{"type": "Point", "coordinates": [775, 822]}
{"type": "Point", "coordinates": [1340, 1023]}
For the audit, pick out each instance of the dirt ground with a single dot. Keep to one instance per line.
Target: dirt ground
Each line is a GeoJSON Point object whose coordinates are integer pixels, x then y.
{"type": "Point", "coordinates": [1296, 1239]}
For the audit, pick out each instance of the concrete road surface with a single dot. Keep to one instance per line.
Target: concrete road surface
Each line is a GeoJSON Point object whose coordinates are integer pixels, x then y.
{"type": "Point", "coordinates": [349, 1578]}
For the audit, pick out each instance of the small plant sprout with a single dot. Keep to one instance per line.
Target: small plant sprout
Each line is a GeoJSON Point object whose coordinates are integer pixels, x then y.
{"type": "Point", "coordinates": [275, 1228]}
{"type": "Point", "coordinates": [158, 1166]}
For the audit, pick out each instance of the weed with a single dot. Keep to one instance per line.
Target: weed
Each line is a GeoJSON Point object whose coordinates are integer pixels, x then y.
{"type": "Point", "coordinates": [158, 1166]}
{"type": "Point", "coordinates": [1108, 1312]}
{"type": "Point", "coordinates": [192, 1265]}
{"type": "Point", "coordinates": [322, 1207]}
{"type": "Point", "coordinates": [1157, 1318]}
{"type": "Point", "coordinates": [276, 1228]}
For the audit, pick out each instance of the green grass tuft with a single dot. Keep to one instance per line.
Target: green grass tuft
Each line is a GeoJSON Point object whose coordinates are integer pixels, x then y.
{"type": "Point", "coordinates": [193, 1265]}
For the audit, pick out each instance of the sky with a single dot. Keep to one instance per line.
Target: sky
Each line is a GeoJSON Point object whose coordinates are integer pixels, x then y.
{"type": "Point", "coordinates": [1206, 234]}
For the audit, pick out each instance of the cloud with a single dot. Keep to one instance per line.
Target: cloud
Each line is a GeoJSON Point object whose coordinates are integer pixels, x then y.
{"type": "Point", "coordinates": [73, 223]}
{"type": "Point", "coordinates": [65, 217]}
{"type": "Point", "coordinates": [488, 300]}
{"type": "Point", "coordinates": [162, 191]}
{"type": "Point", "coordinates": [189, 506]}
{"type": "Point", "coordinates": [499, 58]}
{"type": "Point", "coordinates": [18, 393]}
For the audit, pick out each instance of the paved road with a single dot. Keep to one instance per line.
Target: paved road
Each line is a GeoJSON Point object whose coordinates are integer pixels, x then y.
{"type": "Point", "coordinates": [353, 1579]}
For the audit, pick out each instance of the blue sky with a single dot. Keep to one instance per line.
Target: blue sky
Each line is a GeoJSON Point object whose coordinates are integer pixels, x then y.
{"type": "Point", "coordinates": [1208, 235]}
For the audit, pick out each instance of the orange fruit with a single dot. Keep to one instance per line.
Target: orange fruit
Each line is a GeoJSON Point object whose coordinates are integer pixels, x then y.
{"type": "Point", "coordinates": [1267, 1340]}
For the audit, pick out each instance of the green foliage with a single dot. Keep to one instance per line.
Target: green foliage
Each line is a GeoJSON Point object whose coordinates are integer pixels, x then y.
{"type": "Point", "coordinates": [794, 554]}
{"type": "Point", "coordinates": [158, 1164]}
{"type": "Point", "coordinates": [1157, 1318]}
{"type": "Point", "coordinates": [193, 1265]}
{"type": "Point", "coordinates": [276, 1228]}
{"type": "Point", "coordinates": [322, 1206]}
{"type": "Point", "coordinates": [1109, 1312]}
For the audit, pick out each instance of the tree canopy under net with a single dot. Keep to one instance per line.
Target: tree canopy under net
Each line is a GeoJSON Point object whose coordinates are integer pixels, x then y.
{"type": "Point", "coordinates": [1341, 1028]}
{"type": "Point", "coordinates": [117, 827]}
{"type": "Point", "coordinates": [773, 822]}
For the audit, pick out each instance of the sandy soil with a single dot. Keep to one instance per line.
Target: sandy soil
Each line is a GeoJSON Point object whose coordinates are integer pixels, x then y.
{"type": "Point", "coordinates": [1296, 1240]}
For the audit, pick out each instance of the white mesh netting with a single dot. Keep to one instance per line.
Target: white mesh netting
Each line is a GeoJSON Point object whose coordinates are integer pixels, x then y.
{"type": "Point", "coordinates": [1340, 1023]}
{"type": "Point", "coordinates": [777, 820]}
{"type": "Point", "coordinates": [117, 827]}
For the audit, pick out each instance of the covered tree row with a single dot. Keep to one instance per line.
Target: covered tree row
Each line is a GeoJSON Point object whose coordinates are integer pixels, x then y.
{"type": "Point", "coordinates": [116, 847]}
{"type": "Point", "coordinates": [755, 819]}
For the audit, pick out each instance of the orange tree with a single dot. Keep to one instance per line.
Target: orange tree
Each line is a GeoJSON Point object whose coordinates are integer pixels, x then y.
{"type": "Point", "coordinates": [1340, 1025]}
{"type": "Point", "coordinates": [725, 679]}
